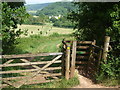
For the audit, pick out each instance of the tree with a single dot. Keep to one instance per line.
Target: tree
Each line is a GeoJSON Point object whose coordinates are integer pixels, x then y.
{"type": "Point", "coordinates": [53, 19]}
{"type": "Point", "coordinates": [12, 15]}
{"type": "Point", "coordinates": [63, 22]}
{"type": "Point", "coordinates": [92, 20]}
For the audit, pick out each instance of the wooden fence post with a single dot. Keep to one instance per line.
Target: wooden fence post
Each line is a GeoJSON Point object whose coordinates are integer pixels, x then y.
{"type": "Point", "coordinates": [105, 49]}
{"type": "Point", "coordinates": [72, 69]}
{"type": "Point", "coordinates": [67, 62]}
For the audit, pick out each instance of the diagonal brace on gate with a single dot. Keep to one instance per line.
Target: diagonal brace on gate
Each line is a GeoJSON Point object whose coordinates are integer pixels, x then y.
{"type": "Point", "coordinates": [35, 66]}
{"type": "Point", "coordinates": [22, 82]}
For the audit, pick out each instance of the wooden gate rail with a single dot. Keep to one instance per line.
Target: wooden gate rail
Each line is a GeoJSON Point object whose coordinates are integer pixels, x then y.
{"type": "Point", "coordinates": [30, 55]}
{"type": "Point", "coordinates": [28, 63]}
{"type": "Point", "coordinates": [41, 72]}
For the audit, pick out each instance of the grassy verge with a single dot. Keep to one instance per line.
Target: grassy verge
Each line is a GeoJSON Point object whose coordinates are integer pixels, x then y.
{"type": "Point", "coordinates": [56, 84]}
{"type": "Point", "coordinates": [110, 82]}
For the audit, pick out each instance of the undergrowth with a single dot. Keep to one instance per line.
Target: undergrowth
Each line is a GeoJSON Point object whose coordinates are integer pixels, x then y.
{"type": "Point", "coordinates": [109, 74]}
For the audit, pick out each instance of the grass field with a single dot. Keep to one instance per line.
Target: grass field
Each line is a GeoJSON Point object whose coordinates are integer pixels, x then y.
{"type": "Point", "coordinates": [47, 29]}
{"type": "Point", "coordinates": [35, 42]}
{"type": "Point", "coordinates": [38, 44]}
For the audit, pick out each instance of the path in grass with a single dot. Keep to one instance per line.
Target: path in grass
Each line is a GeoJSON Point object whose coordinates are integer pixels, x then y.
{"type": "Point", "coordinates": [87, 83]}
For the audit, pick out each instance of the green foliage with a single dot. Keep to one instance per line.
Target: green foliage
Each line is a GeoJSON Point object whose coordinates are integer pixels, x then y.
{"type": "Point", "coordinates": [109, 71]}
{"type": "Point", "coordinates": [95, 21]}
{"type": "Point", "coordinates": [11, 16]}
{"type": "Point", "coordinates": [92, 20]}
{"type": "Point", "coordinates": [63, 22]}
{"type": "Point", "coordinates": [38, 20]}
{"type": "Point", "coordinates": [53, 19]}
{"type": "Point", "coordinates": [114, 31]}
{"type": "Point", "coordinates": [110, 67]}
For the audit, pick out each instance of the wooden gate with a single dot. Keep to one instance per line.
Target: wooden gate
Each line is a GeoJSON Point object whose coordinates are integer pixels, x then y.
{"type": "Point", "coordinates": [85, 62]}
{"type": "Point", "coordinates": [30, 69]}
{"type": "Point", "coordinates": [46, 67]}
{"type": "Point", "coordinates": [87, 57]}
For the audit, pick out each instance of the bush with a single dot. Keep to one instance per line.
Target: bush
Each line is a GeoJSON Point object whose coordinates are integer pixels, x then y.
{"type": "Point", "coordinates": [109, 70]}
{"type": "Point", "coordinates": [64, 24]}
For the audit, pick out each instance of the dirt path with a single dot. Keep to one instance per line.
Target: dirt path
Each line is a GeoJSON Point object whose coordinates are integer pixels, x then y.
{"type": "Point", "coordinates": [87, 83]}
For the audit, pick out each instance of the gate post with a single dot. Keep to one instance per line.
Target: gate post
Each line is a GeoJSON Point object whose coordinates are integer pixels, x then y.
{"type": "Point", "coordinates": [67, 62]}
{"type": "Point", "coordinates": [72, 69]}
{"type": "Point", "coordinates": [105, 49]}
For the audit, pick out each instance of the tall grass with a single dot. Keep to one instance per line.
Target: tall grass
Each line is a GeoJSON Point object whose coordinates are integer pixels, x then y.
{"type": "Point", "coordinates": [40, 44]}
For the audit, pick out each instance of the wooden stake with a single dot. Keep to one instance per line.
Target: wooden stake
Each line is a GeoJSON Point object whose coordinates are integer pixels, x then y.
{"type": "Point", "coordinates": [105, 49]}
{"type": "Point", "coordinates": [67, 62]}
{"type": "Point", "coordinates": [73, 59]}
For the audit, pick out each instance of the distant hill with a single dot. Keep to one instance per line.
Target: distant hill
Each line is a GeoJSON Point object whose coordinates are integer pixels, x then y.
{"type": "Point", "coordinates": [55, 9]}
{"type": "Point", "coordinates": [35, 7]}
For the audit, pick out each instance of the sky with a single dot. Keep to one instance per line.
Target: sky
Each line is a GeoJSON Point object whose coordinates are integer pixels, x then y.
{"type": "Point", "coordinates": [42, 1]}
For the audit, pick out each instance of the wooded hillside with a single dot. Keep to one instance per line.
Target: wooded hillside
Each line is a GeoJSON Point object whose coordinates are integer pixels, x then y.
{"type": "Point", "coordinates": [35, 7]}
{"type": "Point", "coordinates": [55, 9]}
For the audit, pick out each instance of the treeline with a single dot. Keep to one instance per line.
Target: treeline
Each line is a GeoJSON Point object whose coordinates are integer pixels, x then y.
{"type": "Point", "coordinates": [43, 19]}
{"type": "Point", "coordinates": [62, 22]}
{"type": "Point", "coordinates": [36, 20]}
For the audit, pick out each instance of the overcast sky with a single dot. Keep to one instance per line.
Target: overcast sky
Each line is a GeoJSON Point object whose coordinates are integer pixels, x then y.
{"type": "Point", "coordinates": [42, 1]}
